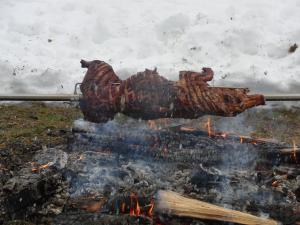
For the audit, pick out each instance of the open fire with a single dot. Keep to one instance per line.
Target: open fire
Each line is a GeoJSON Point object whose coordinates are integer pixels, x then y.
{"type": "Point", "coordinates": [35, 167]}
{"type": "Point", "coordinates": [111, 173]}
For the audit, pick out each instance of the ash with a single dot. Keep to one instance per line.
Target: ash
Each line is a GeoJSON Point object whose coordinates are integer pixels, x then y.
{"type": "Point", "coordinates": [104, 163]}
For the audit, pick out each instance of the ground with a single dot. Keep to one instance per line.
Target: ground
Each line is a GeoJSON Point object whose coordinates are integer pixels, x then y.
{"type": "Point", "coordinates": [35, 124]}
{"type": "Point", "coordinates": [25, 127]}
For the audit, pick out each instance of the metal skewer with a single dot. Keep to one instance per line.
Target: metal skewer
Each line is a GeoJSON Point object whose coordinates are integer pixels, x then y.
{"type": "Point", "coordinates": [282, 97]}
{"type": "Point", "coordinates": [77, 97]}
{"type": "Point", "coordinates": [55, 97]}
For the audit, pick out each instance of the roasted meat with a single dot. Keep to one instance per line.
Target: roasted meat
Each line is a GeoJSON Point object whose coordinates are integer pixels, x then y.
{"type": "Point", "coordinates": [147, 95]}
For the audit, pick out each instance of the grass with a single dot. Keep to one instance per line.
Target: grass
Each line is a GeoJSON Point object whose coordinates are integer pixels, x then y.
{"type": "Point", "coordinates": [35, 123]}
{"type": "Point", "coordinates": [38, 124]}
{"type": "Point", "coordinates": [282, 124]}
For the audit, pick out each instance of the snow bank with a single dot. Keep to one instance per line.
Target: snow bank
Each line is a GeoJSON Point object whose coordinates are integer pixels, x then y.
{"type": "Point", "coordinates": [245, 42]}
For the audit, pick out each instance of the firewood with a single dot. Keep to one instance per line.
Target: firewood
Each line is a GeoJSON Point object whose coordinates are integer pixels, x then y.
{"type": "Point", "coordinates": [147, 95]}
{"type": "Point", "coordinates": [173, 203]}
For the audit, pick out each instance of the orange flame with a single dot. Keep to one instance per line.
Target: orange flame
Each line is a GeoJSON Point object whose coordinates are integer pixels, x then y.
{"type": "Point", "coordinates": [137, 208]}
{"type": "Point", "coordinates": [36, 166]}
{"type": "Point", "coordinates": [242, 139]}
{"type": "Point", "coordinates": [208, 125]}
{"type": "Point", "coordinates": [254, 142]}
{"type": "Point", "coordinates": [149, 213]}
{"type": "Point", "coordinates": [131, 210]}
{"type": "Point", "coordinates": [275, 183]}
{"type": "Point", "coordinates": [123, 205]}
{"type": "Point", "coordinates": [294, 151]}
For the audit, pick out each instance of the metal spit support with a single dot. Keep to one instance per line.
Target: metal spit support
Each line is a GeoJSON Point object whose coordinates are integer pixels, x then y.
{"type": "Point", "coordinates": [76, 96]}
{"type": "Point", "coordinates": [52, 98]}
{"type": "Point", "coordinates": [282, 97]}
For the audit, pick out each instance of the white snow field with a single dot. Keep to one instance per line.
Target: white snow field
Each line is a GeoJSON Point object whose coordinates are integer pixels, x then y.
{"type": "Point", "coordinates": [246, 42]}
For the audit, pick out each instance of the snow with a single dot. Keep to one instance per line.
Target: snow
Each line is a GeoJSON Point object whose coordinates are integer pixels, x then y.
{"type": "Point", "coordinates": [246, 42]}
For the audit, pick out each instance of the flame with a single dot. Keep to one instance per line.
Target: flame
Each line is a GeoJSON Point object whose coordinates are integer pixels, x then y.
{"type": "Point", "coordinates": [294, 151]}
{"type": "Point", "coordinates": [275, 183]}
{"type": "Point", "coordinates": [137, 208]}
{"type": "Point", "coordinates": [254, 142]}
{"type": "Point", "coordinates": [123, 205]}
{"type": "Point", "coordinates": [131, 210]}
{"type": "Point", "coordinates": [208, 125]}
{"type": "Point", "coordinates": [149, 213]}
{"type": "Point", "coordinates": [36, 166]}
{"type": "Point", "coordinates": [242, 139]}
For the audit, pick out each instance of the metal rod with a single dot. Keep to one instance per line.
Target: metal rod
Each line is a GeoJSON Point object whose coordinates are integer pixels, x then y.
{"type": "Point", "coordinates": [54, 97]}
{"type": "Point", "coordinates": [76, 97]}
{"type": "Point", "coordinates": [282, 97]}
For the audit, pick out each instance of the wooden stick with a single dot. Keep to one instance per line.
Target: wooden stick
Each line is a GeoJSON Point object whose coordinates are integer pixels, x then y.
{"type": "Point", "coordinates": [176, 204]}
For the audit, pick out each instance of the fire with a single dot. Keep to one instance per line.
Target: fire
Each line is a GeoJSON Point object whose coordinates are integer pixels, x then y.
{"type": "Point", "coordinates": [131, 210]}
{"type": "Point", "coordinates": [135, 209]}
{"type": "Point", "coordinates": [242, 139]}
{"type": "Point", "coordinates": [294, 151]}
{"type": "Point", "coordinates": [149, 213]}
{"type": "Point", "coordinates": [275, 183]}
{"type": "Point", "coordinates": [254, 142]}
{"type": "Point", "coordinates": [37, 167]}
{"type": "Point", "coordinates": [123, 205]}
{"type": "Point", "coordinates": [208, 125]}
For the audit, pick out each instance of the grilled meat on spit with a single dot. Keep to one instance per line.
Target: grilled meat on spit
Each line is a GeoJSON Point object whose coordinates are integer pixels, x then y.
{"type": "Point", "coordinates": [147, 95]}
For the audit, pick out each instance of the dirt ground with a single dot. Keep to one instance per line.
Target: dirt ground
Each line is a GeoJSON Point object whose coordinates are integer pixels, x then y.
{"type": "Point", "coordinates": [25, 128]}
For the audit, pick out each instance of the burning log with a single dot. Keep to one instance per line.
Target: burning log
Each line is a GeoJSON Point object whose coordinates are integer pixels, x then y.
{"type": "Point", "coordinates": [147, 95]}
{"type": "Point", "coordinates": [176, 204]}
{"type": "Point", "coordinates": [178, 144]}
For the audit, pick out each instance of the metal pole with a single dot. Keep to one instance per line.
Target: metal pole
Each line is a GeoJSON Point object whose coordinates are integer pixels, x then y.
{"type": "Point", "coordinates": [76, 97]}
{"type": "Point", "coordinates": [282, 97]}
{"type": "Point", "coordinates": [55, 97]}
